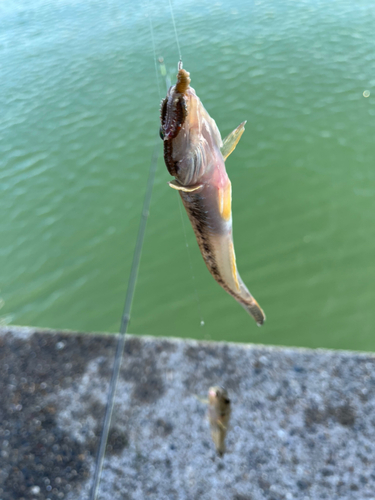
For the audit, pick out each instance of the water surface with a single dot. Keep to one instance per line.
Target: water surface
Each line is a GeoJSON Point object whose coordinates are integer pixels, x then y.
{"type": "Point", "coordinates": [79, 106]}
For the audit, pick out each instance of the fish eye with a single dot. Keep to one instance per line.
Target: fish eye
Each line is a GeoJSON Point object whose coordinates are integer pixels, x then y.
{"type": "Point", "coordinates": [161, 133]}
{"type": "Point", "coordinates": [227, 401]}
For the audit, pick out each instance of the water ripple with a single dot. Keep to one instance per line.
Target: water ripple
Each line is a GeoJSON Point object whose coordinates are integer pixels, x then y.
{"type": "Point", "coordinates": [80, 116]}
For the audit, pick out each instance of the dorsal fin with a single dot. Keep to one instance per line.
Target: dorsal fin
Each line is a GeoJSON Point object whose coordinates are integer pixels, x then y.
{"type": "Point", "coordinates": [231, 140]}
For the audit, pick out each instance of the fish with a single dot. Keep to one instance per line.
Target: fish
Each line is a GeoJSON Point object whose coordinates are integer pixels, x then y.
{"type": "Point", "coordinates": [195, 154]}
{"type": "Point", "coordinates": [219, 409]}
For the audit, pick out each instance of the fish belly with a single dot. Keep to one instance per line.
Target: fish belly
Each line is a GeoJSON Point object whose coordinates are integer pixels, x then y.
{"type": "Point", "coordinates": [214, 237]}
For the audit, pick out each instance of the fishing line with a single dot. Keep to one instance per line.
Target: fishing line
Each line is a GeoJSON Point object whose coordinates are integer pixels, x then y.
{"type": "Point", "coordinates": [163, 71]}
{"type": "Point", "coordinates": [179, 201]}
{"type": "Point", "coordinates": [125, 322]}
{"type": "Point", "coordinates": [125, 319]}
{"type": "Point", "coordinates": [153, 46]}
{"type": "Point", "coordinates": [190, 261]}
{"type": "Point", "coordinates": [175, 30]}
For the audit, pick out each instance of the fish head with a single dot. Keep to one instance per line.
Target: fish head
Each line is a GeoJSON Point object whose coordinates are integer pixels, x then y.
{"type": "Point", "coordinates": [187, 131]}
{"type": "Point", "coordinates": [218, 397]}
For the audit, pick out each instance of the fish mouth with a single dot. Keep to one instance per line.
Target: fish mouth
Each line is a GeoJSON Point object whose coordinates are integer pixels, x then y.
{"type": "Point", "coordinates": [173, 115]}
{"type": "Point", "coordinates": [174, 107]}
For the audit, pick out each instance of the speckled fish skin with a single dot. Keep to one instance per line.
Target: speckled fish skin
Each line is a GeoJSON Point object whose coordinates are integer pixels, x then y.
{"type": "Point", "coordinates": [219, 410]}
{"type": "Point", "coordinates": [194, 154]}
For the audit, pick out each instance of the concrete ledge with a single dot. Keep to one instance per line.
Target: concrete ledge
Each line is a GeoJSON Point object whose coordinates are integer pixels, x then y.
{"type": "Point", "coordinates": [302, 425]}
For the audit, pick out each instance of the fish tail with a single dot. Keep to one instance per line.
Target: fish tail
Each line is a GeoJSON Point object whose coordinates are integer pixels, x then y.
{"type": "Point", "coordinates": [218, 437]}
{"type": "Point", "coordinates": [253, 308]}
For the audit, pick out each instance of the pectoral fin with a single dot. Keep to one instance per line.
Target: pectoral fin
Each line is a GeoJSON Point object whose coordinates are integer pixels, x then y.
{"type": "Point", "coordinates": [231, 140]}
{"type": "Point", "coordinates": [179, 187]}
{"type": "Point", "coordinates": [202, 400]}
{"type": "Point", "coordinates": [220, 424]}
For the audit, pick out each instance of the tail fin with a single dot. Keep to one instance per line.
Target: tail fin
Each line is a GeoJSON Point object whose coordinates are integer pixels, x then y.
{"type": "Point", "coordinates": [253, 308]}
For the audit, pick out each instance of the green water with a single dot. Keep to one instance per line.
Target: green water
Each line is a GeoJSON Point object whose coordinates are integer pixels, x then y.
{"type": "Point", "coordinates": [79, 107]}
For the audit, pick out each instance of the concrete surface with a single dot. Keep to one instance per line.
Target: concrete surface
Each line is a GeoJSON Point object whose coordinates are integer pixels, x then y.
{"type": "Point", "coordinates": [302, 424]}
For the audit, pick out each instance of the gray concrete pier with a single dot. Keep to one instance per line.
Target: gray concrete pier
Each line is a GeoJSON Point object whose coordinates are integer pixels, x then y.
{"type": "Point", "coordinates": [302, 424]}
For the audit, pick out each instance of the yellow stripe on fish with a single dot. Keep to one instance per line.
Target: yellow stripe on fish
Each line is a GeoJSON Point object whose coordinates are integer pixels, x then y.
{"type": "Point", "coordinates": [233, 265]}
{"type": "Point", "coordinates": [225, 201]}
